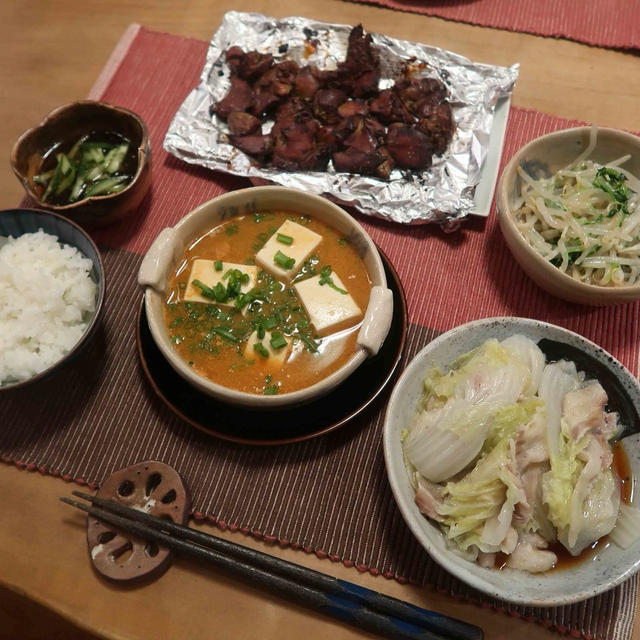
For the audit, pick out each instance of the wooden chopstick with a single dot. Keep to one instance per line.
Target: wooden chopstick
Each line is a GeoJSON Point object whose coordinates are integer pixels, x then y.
{"type": "Point", "coordinates": [362, 607]}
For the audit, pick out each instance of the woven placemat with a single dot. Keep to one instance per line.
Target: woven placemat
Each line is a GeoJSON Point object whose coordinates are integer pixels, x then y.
{"type": "Point", "coordinates": [611, 23]}
{"type": "Point", "coordinates": [329, 495]}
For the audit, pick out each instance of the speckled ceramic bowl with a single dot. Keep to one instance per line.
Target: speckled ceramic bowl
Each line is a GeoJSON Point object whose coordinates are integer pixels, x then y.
{"type": "Point", "coordinates": [16, 222]}
{"type": "Point", "coordinates": [168, 248]}
{"type": "Point", "coordinates": [549, 153]}
{"type": "Point", "coordinates": [62, 127]}
{"type": "Point", "coordinates": [608, 567]}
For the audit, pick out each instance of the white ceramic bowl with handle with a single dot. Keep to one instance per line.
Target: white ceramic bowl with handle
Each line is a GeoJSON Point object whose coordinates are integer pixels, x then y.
{"type": "Point", "coordinates": [611, 565]}
{"type": "Point", "coordinates": [167, 249]}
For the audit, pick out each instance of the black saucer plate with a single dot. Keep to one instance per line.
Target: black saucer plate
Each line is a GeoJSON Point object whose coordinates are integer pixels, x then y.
{"type": "Point", "coordinates": [279, 426]}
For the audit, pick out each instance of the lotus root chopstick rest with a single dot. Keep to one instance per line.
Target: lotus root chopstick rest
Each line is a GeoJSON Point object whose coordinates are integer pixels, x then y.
{"type": "Point", "coordinates": [152, 487]}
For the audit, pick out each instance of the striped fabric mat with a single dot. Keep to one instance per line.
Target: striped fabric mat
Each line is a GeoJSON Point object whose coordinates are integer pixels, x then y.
{"type": "Point", "coordinates": [328, 495]}
{"type": "Point", "coordinates": [614, 24]}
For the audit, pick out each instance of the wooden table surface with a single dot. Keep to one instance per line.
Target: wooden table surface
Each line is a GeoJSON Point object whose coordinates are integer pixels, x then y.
{"type": "Point", "coordinates": [51, 53]}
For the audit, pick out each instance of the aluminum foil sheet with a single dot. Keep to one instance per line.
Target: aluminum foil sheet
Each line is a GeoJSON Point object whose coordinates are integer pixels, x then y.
{"type": "Point", "coordinates": [442, 194]}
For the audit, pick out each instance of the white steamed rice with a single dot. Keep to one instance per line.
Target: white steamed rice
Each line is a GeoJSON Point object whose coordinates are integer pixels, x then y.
{"type": "Point", "coordinates": [47, 298]}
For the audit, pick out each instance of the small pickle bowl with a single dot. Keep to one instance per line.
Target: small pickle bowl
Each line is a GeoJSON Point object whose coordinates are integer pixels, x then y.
{"type": "Point", "coordinates": [546, 155]}
{"type": "Point", "coordinates": [17, 222]}
{"type": "Point", "coordinates": [169, 246]}
{"type": "Point", "coordinates": [610, 565]}
{"type": "Point", "coordinates": [35, 150]}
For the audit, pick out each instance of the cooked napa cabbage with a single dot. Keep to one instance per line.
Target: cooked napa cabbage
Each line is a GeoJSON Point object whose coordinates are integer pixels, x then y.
{"type": "Point", "coordinates": [460, 407]}
{"type": "Point", "coordinates": [507, 452]}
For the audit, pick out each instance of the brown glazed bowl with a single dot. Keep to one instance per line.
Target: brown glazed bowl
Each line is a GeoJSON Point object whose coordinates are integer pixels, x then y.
{"type": "Point", "coordinates": [62, 127]}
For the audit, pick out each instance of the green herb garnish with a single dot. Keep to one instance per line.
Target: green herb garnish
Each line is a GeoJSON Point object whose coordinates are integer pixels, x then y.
{"type": "Point", "coordinates": [325, 278]}
{"type": "Point", "coordinates": [285, 239]}
{"type": "Point", "coordinates": [271, 390]}
{"type": "Point", "coordinates": [225, 334]}
{"type": "Point", "coordinates": [205, 291]}
{"type": "Point", "coordinates": [284, 261]}
{"type": "Point", "coordinates": [232, 229]}
{"type": "Point", "coordinates": [309, 343]}
{"type": "Point", "coordinates": [217, 265]}
{"type": "Point", "coordinates": [259, 348]}
{"type": "Point", "coordinates": [612, 182]}
{"type": "Point", "coordinates": [277, 340]}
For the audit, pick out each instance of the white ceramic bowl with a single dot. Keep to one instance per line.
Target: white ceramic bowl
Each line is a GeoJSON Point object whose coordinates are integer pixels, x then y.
{"type": "Point", "coordinates": [610, 566]}
{"type": "Point", "coordinates": [550, 153]}
{"type": "Point", "coordinates": [162, 257]}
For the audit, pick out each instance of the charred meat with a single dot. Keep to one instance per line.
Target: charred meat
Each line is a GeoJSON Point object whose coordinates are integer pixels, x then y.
{"type": "Point", "coordinates": [338, 115]}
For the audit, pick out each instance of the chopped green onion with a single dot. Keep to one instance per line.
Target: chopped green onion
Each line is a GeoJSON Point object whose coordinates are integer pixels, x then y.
{"type": "Point", "coordinates": [271, 390]}
{"type": "Point", "coordinates": [220, 292]}
{"type": "Point", "coordinates": [206, 292]}
{"type": "Point", "coordinates": [270, 323]}
{"type": "Point", "coordinates": [325, 278]}
{"type": "Point", "coordinates": [260, 332]}
{"type": "Point", "coordinates": [259, 348]}
{"type": "Point", "coordinates": [225, 334]}
{"type": "Point", "coordinates": [310, 344]}
{"type": "Point", "coordinates": [284, 261]}
{"type": "Point", "coordinates": [217, 265]}
{"type": "Point", "coordinates": [285, 239]}
{"type": "Point", "coordinates": [277, 340]}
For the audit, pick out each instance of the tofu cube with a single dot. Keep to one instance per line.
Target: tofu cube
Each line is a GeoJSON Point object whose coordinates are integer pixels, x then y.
{"type": "Point", "coordinates": [304, 243]}
{"type": "Point", "coordinates": [328, 309]}
{"type": "Point", "coordinates": [204, 270]}
{"type": "Point", "coordinates": [277, 357]}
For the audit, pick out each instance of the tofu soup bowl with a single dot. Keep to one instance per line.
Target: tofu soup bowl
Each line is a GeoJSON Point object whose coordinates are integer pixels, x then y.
{"type": "Point", "coordinates": [266, 297]}
{"type": "Point", "coordinates": [579, 563]}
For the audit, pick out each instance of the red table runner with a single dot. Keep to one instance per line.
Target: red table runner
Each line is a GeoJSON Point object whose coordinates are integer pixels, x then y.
{"type": "Point", "coordinates": [610, 23]}
{"type": "Point", "coordinates": [329, 495]}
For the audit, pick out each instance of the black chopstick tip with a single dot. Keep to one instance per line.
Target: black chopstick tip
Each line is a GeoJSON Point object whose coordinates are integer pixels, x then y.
{"type": "Point", "coordinates": [80, 494]}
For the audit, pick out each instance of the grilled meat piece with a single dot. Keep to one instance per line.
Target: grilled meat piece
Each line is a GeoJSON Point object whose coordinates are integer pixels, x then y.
{"type": "Point", "coordinates": [359, 73]}
{"type": "Point", "coordinates": [306, 83]}
{"type": "Point", "coordinates": [326, 103]}
{"type": "Point", "coordinates": [238, 98]}
{"type": "Point", "coordinates": [438, 126]}
{"type": "Point", "coordinates": [353, 108]}
{"type": "Point", "coordinates": [295, 148]}
{"type": "Point", "coordinates": [274, 85]}
{"type": "Point", "coordinates": [355, 161]}
{"type": "Point", "coordinates": [410, 148]}
{"type": "Point", "coordinates": [233, 56]}
{"type": "Point", "coordinates": [258, 145]}
{"type": "Point", "coordinates": [243, 124]}
{"type": "Point", "coordinates": [252, 64]}
{"type": "Point", "coordinates": [416, 93]}
{"type": "Point", "coordinates": [388, 108]}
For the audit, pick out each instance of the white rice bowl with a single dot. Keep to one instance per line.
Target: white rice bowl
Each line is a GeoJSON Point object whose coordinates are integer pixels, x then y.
{"type": "Point", "coordinates": [47, 299]}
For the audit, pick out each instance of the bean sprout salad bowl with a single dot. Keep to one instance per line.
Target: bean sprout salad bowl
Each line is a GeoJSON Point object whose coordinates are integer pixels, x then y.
{"type": "Point", "coordinates": [569, 210]}
{"type": "Point", "coordinates": [511, 447]}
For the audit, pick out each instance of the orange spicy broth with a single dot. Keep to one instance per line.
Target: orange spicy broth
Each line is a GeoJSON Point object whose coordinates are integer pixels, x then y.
{"type": "Point", "coordinates": [190, 324]}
